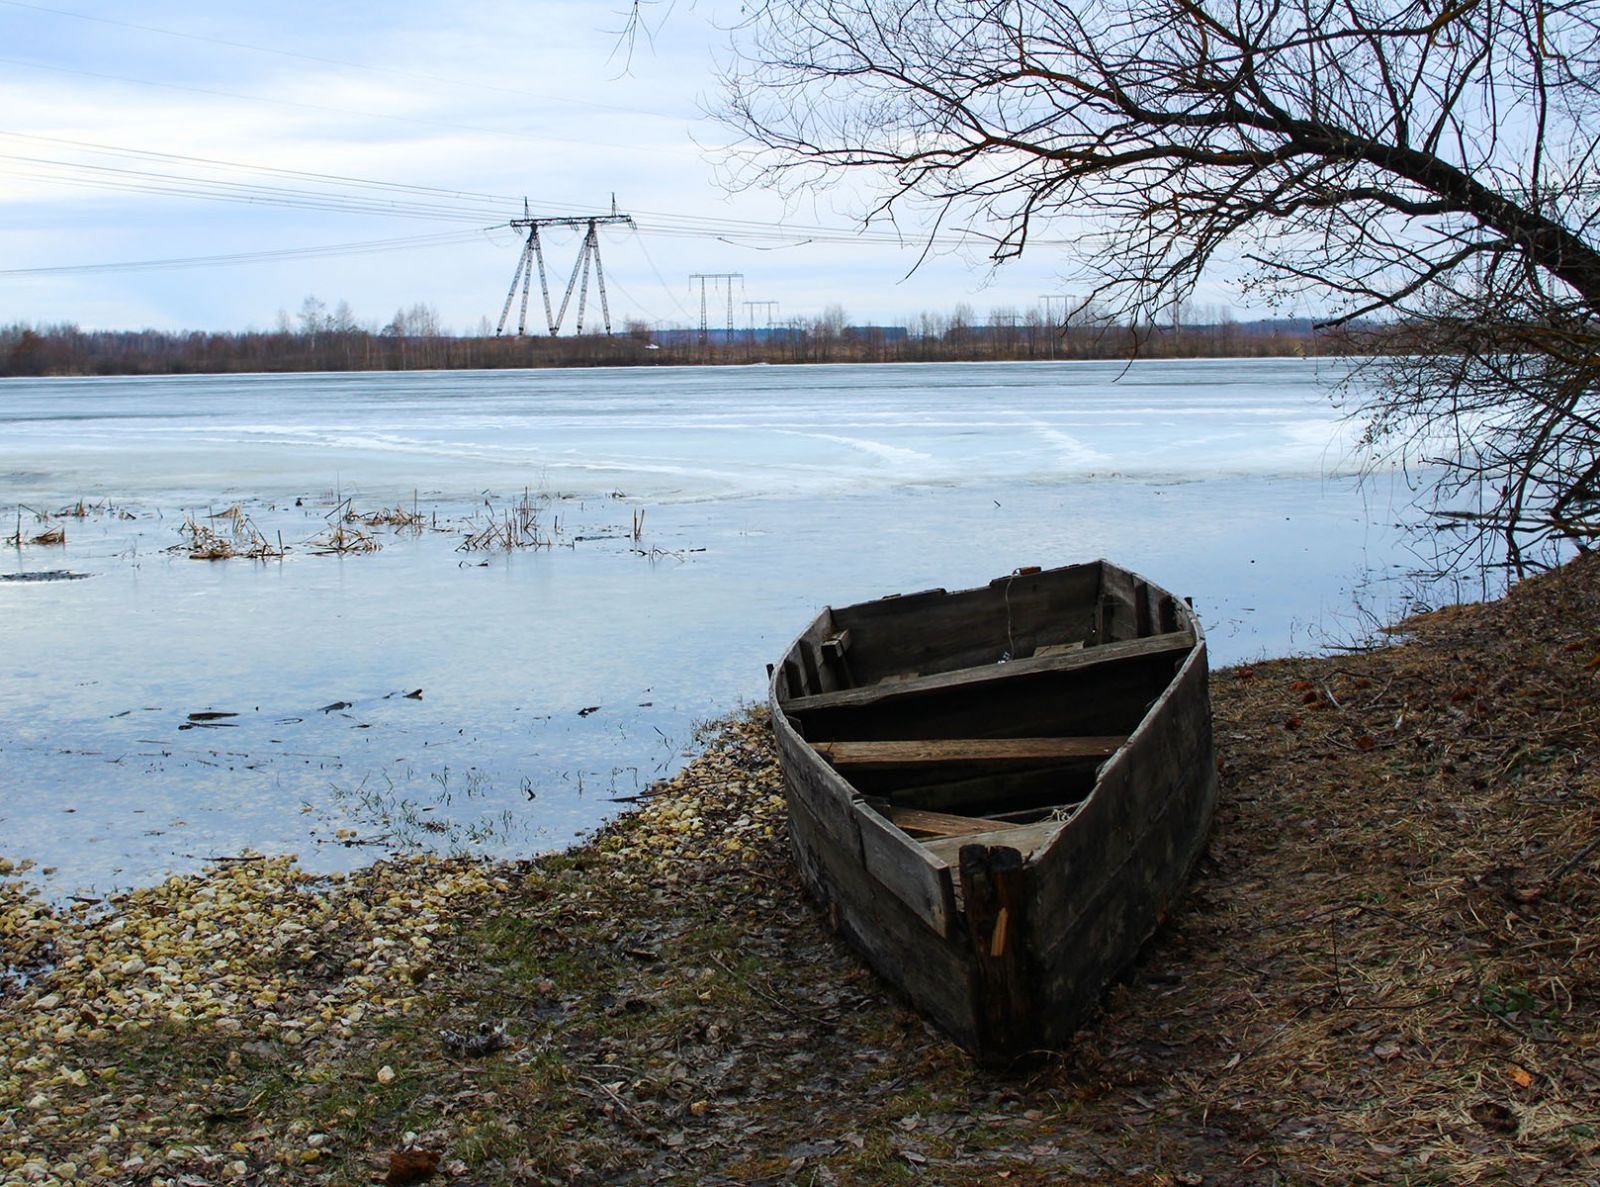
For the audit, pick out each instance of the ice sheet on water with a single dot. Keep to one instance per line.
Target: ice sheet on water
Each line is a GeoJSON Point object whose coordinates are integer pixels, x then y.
{"type": "Point", "coordinates": [803, 486]}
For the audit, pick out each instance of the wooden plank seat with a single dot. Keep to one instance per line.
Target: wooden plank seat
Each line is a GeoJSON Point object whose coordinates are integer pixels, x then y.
{"type": "Point", "coordinates": [922, 823]}
{"type": "Point", "coordinates": [939, 751]}
{"type": "Point", "coordinates": [973, 678]}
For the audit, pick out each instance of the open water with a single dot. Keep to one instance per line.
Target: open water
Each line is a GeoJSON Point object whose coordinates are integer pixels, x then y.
{"type": "Point", "coordinates": [557, 681]}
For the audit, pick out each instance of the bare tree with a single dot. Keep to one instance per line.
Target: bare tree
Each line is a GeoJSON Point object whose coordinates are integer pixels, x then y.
{"type": "Point", "coordinates": [313, 317]}
{"type": "Point", "coordinates": [1430, 165]}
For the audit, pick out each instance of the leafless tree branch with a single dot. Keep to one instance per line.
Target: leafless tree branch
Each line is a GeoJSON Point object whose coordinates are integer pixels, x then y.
{"type": "Point", "coordinates": [1428, 162]}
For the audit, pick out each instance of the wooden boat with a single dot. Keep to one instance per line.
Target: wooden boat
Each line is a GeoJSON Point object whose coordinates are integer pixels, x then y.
{"type": "Point", "coordinates": [998, 793]}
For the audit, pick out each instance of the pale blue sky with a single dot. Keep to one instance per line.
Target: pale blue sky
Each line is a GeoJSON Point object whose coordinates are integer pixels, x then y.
{"type": "Point", "coordinates": [488, 101]}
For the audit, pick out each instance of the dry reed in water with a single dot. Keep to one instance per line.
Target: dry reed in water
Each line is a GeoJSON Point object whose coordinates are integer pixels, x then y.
{"type": "Point", "coordinates": [340, 539]}
{"type": "Point", "coordinates": [519, 527]}
{"type": "Point", "coordinates": [202, 542]}
{"type": "Point", "coordinates": [50, 536]}
{"type": "Point", "coordinates": [396, 517]}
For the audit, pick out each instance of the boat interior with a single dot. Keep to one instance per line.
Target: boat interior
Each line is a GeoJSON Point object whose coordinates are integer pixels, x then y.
{"type": "Point", "coordinates": [957, 716]}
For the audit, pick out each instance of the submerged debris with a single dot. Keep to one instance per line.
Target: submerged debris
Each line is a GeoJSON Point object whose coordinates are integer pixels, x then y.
{"type": "Point", "coordinates": [44, 575]}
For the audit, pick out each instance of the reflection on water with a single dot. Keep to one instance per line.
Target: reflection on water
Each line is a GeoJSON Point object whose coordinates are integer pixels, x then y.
{"type": "Point", "coordinates": [573, 568]}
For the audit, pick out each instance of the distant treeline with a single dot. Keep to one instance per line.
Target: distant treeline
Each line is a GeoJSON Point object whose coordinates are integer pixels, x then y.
{"type": "Point", "coordinates": [67, 350]}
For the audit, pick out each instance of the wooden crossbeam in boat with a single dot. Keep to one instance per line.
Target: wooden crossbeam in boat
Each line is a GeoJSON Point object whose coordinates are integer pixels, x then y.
{"type": "Point", "coordinates": [937, 751]}
{"type": "Point", "coordinates": [917, 821]}
{"type": "Point", "coordinates": [1024, 838]}
{"type": "Point", "coordinates": [968, 678]}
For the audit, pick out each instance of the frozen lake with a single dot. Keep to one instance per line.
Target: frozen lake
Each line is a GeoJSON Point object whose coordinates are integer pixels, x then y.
{"type": "Point", "coordinates": [557, 680]}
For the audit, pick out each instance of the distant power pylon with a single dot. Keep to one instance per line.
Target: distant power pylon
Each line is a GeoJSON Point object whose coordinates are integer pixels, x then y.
{"type": "Point", "coordinates": [715, 278]}
{"type": "Point", "coordinates": [1057, 328]}
{"type": "Point", "coordinates": [533, 256]}
{"type": "Point", "coordinates": [750, 308]}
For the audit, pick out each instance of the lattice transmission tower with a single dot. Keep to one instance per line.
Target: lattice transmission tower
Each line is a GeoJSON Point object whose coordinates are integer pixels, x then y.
{"type": "Point", "coordinates": [750, 308]}
{"type": "Point", "coordinates": [714, 279]}
{"type": "Point", "coordinates": [533, 257]}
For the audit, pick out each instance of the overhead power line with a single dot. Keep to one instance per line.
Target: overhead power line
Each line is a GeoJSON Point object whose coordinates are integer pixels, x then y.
{"type": "Point", "coordinates": [363, 247]}
{"type": "Point", "coordinates": [385, 198]}
{"type": "Point", "coordinates": [320, 60]}
{"type": "Point", "coordinates": [117, 150]}
{"type": "Point", "coordinates": [346, 111]}
{"type": "Point", "coordinates": [194, 178]}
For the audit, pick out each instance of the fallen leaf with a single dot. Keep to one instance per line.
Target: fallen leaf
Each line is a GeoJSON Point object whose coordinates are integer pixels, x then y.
{"type": "Point", "coordinates": [1521, 1076]}
{"type": "Point", "coordinates": [411, 1166]}
{"type": "Point", "coordinates": [1494, 1116]}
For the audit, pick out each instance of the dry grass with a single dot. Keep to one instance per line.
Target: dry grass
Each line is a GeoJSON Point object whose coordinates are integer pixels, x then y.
{"type": "Point", "coordinates": [1388, 971]}
{"type": "Point", "coordinates": [48, 537]}
{"type": "Point", "coordinates": [396, 517]}
{"type": "Point", "coordinates": [342, 540]}
{"type": "Point", "coordinates": [240, 539]}
{"type": "Point", "coordinates": [341, 537]}
{"type": "Point", "coordinates": [519, 527]}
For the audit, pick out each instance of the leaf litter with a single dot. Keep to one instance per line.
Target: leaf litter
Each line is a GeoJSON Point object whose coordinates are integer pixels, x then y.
{"type": "Point", "coordinates": [1385, 972]}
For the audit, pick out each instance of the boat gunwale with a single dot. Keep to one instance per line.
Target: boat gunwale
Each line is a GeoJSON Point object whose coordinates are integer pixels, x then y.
{"type": "Point", "coordinates": [1051, 830]}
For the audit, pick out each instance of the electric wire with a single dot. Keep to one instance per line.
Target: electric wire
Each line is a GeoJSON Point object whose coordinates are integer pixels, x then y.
{"type": "Point", "coordinates": [461, 205]}
{"type": "Point", "coordinates": [660, 225]}
{"type": "Point", "coordinates": [266, 170]}
{"type": "Point", "coordinates": [660, 279]}
{"type": "Point", "coordinates": [613, 283]}
{"type": "Point", "coordinates": [270, 186]}
{"type": "Point", "coordinates": [324, 251]}
{"type": "Point", "coordinates": [145, 181]}
{"type": "Point", "coordinates": [346, 111]}
{"type": "Point", "coordinates": [408, 75]}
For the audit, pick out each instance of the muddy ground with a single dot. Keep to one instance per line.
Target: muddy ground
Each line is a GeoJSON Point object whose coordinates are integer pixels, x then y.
{"type": "Point", "coordinates": [1385, 972]}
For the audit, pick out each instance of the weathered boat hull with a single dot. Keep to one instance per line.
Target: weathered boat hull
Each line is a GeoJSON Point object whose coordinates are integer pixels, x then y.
{"type": "Point", "coordinates": [998, 794]}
